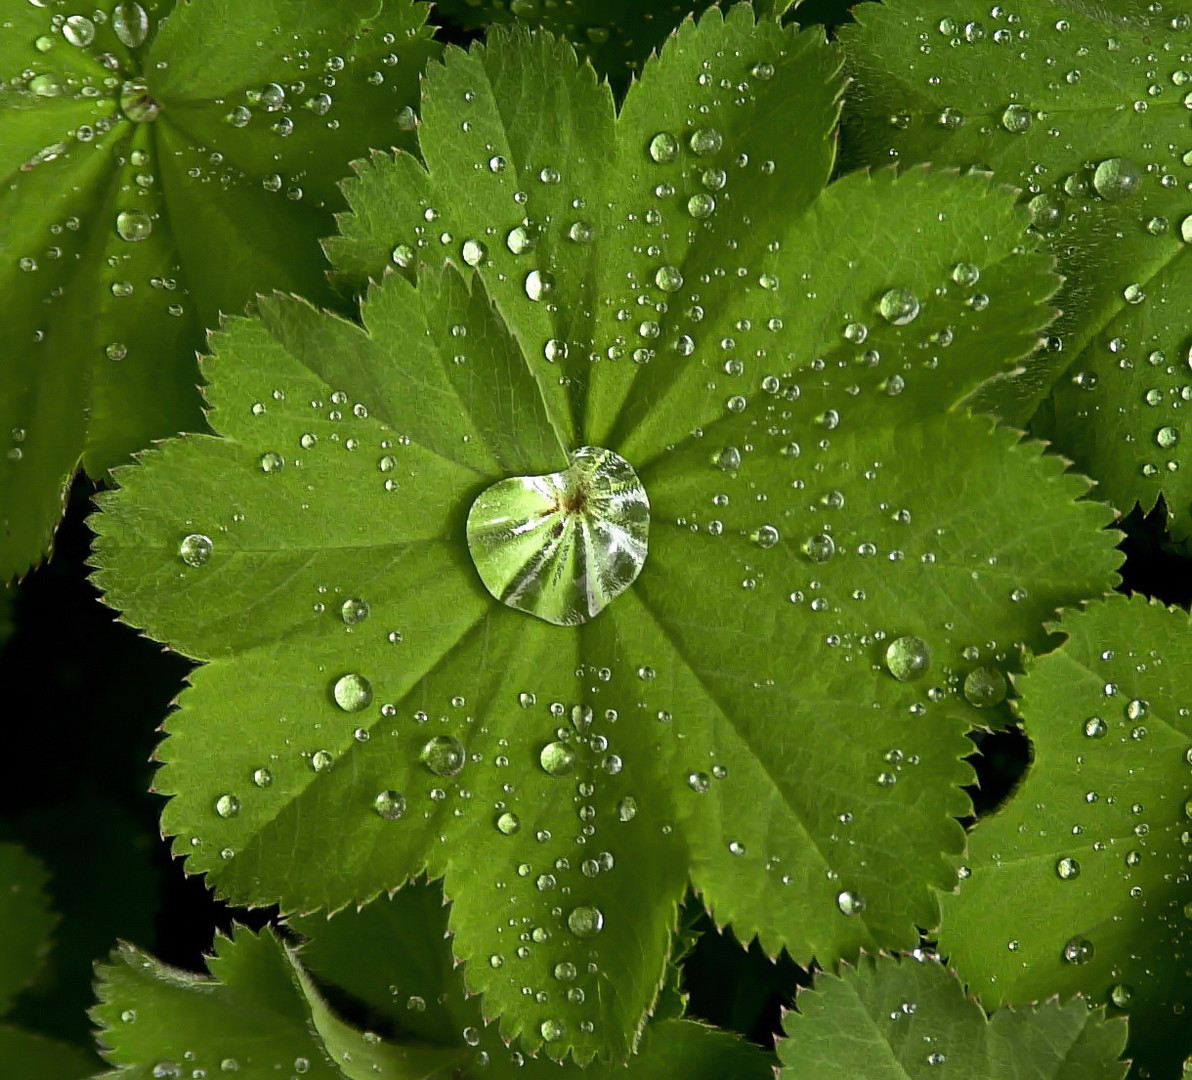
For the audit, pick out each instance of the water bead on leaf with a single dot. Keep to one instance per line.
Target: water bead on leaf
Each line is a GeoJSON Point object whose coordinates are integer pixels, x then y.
{"type": "Point", "coordinates": [474, 252]}
{"type": "Point", "coordinates": [850, 903]}
{"type": "Point", "coordinates": [354, 611]}
{"type": "Point", "coordinates": [1067, 868]}
{"type": "Point", "coordinates": [668, 278]}
{"type": "Point", "coordinates": [985, 687]}
{"type": "Point", "coordinates": [390, 805]}
{"type": "Point", "coordinates": [557, 759]}
{"type": "Point", "coordinates": [899, 306]}
{"type": "Point", "coordinates": [585, 922]}
{"type": "Point", "coordinates": [508, 823]}
{"type": "Point", "coordinates": [443, 755]}
{"type": "Point", "coordinates": [78, 30]}
{"type": "Point", "coordinates": [227, 806]}
{"type": "Point", "coordinates": [130, 22]}
{"type": "Point", "coordinates": [1016, 119]}
{"type": "Point", "coordinates": [195, 549]}
{"type": "Point", "coordinates": [133, 225]}
{"type": "Point", "coordinates": [907, 658]}
{"type": "Point", "coordinates": [1078, 950]}
{"type": "Point", "coordinates": [352, 692]}
{"type": "Point", "coordinates": [271, 461]}
{"type": "Point", "coordinates": [819, 548]}
{"type": "Point", "coordinates": [1117, 178]}
{"type": "Point", "coordinates": [664, 148]}
{"type": "Point", "coordinates": [705, 142]}
{"type": "Point", "coordinates": [565, 545]}
{"type": "Point", "coordinates": [539, 284]}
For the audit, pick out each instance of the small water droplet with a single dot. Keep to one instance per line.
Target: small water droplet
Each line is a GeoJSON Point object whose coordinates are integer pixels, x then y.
{"type": "Point", "coordinates": [195, 549]}
{"type": "Point", "coordinates": [443, 755]}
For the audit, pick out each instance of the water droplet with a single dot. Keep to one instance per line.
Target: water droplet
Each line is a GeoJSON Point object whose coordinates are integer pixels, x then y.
{"type": "Point", "coordinates": [539, 284]}
{"type": "Point", "coordinates": [585, 922]}
{"type": "Point", "coordinates": [899, 306]}
{"type": "Point", "coordinates": [819, 548]}
{"type": "Point", "coordinates": [1078, 950]}
{"type": "Point", "coordinates": [1067, 868]}
{"type": "Point", "coordinates": [443, 755]}
{"type": "Point", "coordinates": [195, 549]}
{"type": "Point", "coordinates": [354, 611]}
{"type": "Point", "coordinates": [321, 760]}
{"type": "Point", "coordinates": [705, 142]}
{"type": "Point", "coordinates": [271, 462]}
{"type": "Point", "coordinates": [701, 205]}
{"type": "Point", "coordinates": [562, 546]}
{"type": "Point", "coordinates": [1120, 994]}
{"type": "Point", "coordinates": [227, 806]}
{"type": "Point", "coordinates": [552, 1030]}
{"type": "Point", "coordinates": [668, 278]}
{"type": "Point", "coordinates": [626, 808]}
{"type": "Point", "coordinates": [907, 658]}
{"type": "Point", "coordinates": [263, 778]}
{"type": "Point", "coordinates": [1167, 437]}
{"type": "Point", "coordinates": [79, 31]}
{"type": "Point", "coordinates": [985, 687]}
{"type": "Point", "coordinates": [557, 758]}
{"type": "Point", "coordinates": [1136, 709]}
{"type": "Point", "coordinates": [475, 252]}
{"type": "Point", "coordinates": [699, 781]}
{"type": "Point", "coordinates": [1016, 119]}
{"type": "Point", "coordinates": [1117, 178]}
{"type": "Point", "coordinates": [850, 903]}
{"type": "Point", "coordinates": [403, 256]}
{"type": "Point", "coordinates": [508, 823]}
{"type": "Point", "coordinates": [390, 805]}
{"type": "Point", "coordinates": [1095, 727]}
{"type": "Point", "coordinates": [664, 148]}
{"type": "Point", "coordinates": [131, 24]}
{"type": "Point", "coordinates": [352, 692]}
{"type": "Point", "coordinates": [133, 225]}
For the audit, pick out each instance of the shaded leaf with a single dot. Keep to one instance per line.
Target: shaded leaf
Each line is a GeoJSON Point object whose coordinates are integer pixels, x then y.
{"type": "Point", "coordinates": [892, 1019]}
{"type": "Point", "coordinates": [1083, 107]}
{"type": "Point", "coordinates": [255, 1015]}
{"type": "Point", "coordinates": [150, 187]}
{"type": "Point", "coordinates": [1095, 844]}
{"type": "Point", "coordinates": [25, 921]}
{"type": "Point", "coordinates": [394, 955]}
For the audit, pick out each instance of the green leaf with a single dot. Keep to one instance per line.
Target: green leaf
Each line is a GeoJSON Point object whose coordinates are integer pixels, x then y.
{"type": "Point", "coordinates": [1094, 847]}
{"type": "Point", "coordinates": [25, 1055]}
{"type": "Point", "coordinates": [393, 955]}
{"type": "Point", "coordinates": [1051, 102]}
{"type": "Point", "coordinates": [816, 500]}
{"type": "Point", "coordinates": [101, 331]}
{"type": "Point", "coordinates": [25, 921]}
{"type": "Point", "coordinates": [258, 1013]}
{"type": "Point", "coordinates": [892, 1019]}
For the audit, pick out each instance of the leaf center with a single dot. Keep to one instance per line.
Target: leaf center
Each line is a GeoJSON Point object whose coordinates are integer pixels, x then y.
{"type": "Point", "coordinates": [562, 546]}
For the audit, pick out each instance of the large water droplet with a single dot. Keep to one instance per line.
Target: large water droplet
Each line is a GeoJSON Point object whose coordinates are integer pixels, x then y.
{"type": "Point", "coordinates": [131, 24]}
{"type": "Point", "coordinates": [850, 903]}
{"type": "Point", "coordinates": [1067, 868]}
{"type": "Point", "coordinates": [195, 549]}
{"type": "Point", "coordinates": [133, 225]}
{"type": "Point", "coordinates": [908, 657]}
{"type": "Point", "coordinates": [352, 692]}
{"type": "Point", "coordinates": [557, 758]}
{"type": "Point", "coordinates": [1078, 950]}
{"type": "Point", "coordinates": [227, 806]}
{"type": "Point", "coordinates": [1116, 179]}
{"type": "Point", "coordinates": [585, 922]}
{"type": "Point", "coordinates": [565, 545]}
{"type": "Point", "coordinates": [390, 805]}
{"type": "Point", "coordinates": [79, 30]}
{"type": "Point", "coordinates": [443, 755]}
{"type": "Point", "coordinates": [985, 687]}
{"type": "Point", "coordinates": [136, 102]}
{"type": "Point", "coordinates": [898, 306]}
{"type": "Point", "coordinates": [664, 148]}
{"type": "Point", "coordinates": [354, 611]}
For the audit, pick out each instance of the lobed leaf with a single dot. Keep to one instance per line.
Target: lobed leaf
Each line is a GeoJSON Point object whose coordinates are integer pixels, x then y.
{"type": "Point", "coordinates": [908, 1019]}
{"type": "Point", "coordinates": [819, 498]}
{"type": "Point", "coordinates": [162, 165]}
{"type": "Point", "coordinates": [1083, 107]}
{"type": "Point", "coordinates": [1094, 846]}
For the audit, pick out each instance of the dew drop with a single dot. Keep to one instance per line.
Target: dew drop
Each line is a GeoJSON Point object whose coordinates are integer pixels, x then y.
{"type": "Point", "coordinates": [227, 806]}
{"type": "Point", "coordinates": [133, 225]}
{"type": "Point", "coordinates": [985, 687]}
{"type": "Point", "coordinates": [354, 611]}
{"type": "Point", "coordinates": [443, 755]}
{"type": "Point", "coordinates": [585, 922]}
{"type": "Point", "coordinates": [664, 148]}
{"type": "Point", "coordinates": [557, 759]}
{"type": "Point", "coordinates": [352, 692]}
{"type": "Point", "coordinates": [907, 658]}
{"type": "Point", "coordinates": [850, 903]}
{"type": "Point", "coordinates": [390, 805]}
{"type": "Point", "coordinates": [195, 549]}
{"type": "Point", "coordinates": [1117, 178]}
{"type": "Point", "coordinates": [899, 306]}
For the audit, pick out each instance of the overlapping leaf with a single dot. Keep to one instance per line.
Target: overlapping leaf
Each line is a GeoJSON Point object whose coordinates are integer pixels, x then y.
{"type": "Point", "coordinates": [669, 283]}
{"type": "Point", "coordinates": [1094, 848]}
{"type": "Point", "coordinates": [1084, 107]}
{"type": "Point", "coordinates": [910, 1020]}
{"type": "Point", "coordinates": [161, 166]}
{"type": "Point", "coordinates": [25, 926]}
{"type": "Point", "coordinates": [393, 955]}
{"type": "Point", "coordinates": [257, 1015]}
